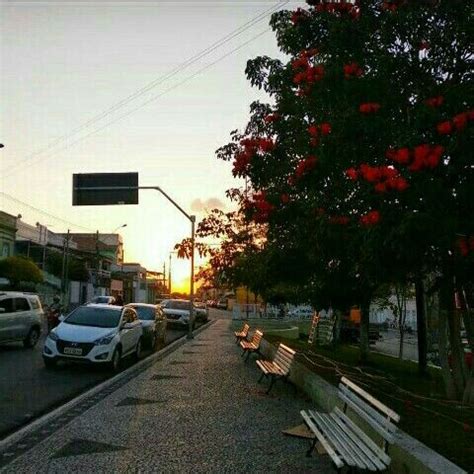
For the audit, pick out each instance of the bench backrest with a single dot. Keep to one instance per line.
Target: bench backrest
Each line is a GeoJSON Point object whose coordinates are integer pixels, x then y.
{"type": "Point", "coordinates": [257, 337]}
{"type": "Point", "coordinates": [245, 329]}
{"type": "Point", "coordinates": [284, 357]}
{"type": "Point", "coordinates": [380, 417]}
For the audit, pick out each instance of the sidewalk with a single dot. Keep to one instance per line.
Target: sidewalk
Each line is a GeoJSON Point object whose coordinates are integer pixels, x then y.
{"type": "Point", "coordinates": [199, 409]}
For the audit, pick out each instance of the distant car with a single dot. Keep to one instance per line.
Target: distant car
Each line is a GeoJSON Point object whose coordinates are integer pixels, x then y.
{"type": "Point", "coordinates": [103, 300]}
{"type": "Point", "coordinates": [201, 312]}
{"type": "Point", "coordinates": [177, 312]}
{"type": "Point", "coordinates": [21, 317]}
{"type": "Point", "coordinates": [221, 304]}
{"type": "Point", "coordinates": [153, 321]}
{"type": "Point", "coordinates": [95, 333]}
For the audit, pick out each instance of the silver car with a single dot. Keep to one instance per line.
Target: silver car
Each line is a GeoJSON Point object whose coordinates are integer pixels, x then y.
{"type": "Point", "coordinates": [21, 318]}
{"type": "Point", "coordinates": [153, 321]}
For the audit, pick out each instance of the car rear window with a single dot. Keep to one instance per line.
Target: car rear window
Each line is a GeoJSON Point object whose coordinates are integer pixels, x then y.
{"type": "Point", "coordinates": [146, 313]}
{"type": "Point", "coordinates": [179, 305]}
{"type": "Point", "coordinates": [95, 317]}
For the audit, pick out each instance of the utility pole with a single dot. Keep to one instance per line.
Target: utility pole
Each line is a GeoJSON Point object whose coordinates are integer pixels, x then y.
{"type": "Point", "coordinates": [169, 276]}
{"type": "Point", "coordinates": [64, 266]}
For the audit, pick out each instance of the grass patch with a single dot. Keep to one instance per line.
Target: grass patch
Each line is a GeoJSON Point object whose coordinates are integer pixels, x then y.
{"type": "Point", "coordinates": [443, 425]}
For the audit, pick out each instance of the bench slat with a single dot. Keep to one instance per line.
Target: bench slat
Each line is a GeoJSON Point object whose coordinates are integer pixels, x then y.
{"type": "Point", "coordinates": [379, 405]}
{"type": "Point", "coordinates": [355, 448]}
{"type": "Point", "coordinates": [329, 449]}
{"type": "Point", "coordinates": [386, 434]}
{"type": "Point", "coordinates": [358, 444]}
{"type": "Point", "coordinates": [370, 412]}
{"type": "Point", "coordinates": [380, 453]}
{"type": "Point", "coordinates": [334, 439]}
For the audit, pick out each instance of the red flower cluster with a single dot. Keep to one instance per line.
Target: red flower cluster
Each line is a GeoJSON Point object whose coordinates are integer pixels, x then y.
{"type": "Point", "coordinates": [310, 75]}
{"type": "Point", "coordinates": [385, 178]}
{"type": "Point", "coordinates": [392, 5]}
{"type": "Point", "coordinates": [306, 74]}
{"type": "Point", "coordinates": [421, 157]}
{"type": "Point", "coordinates": [339, 220]}
{"type": "Point", "coordinates": [241, 163]}
{"type": "Point", "coordinates": [435, 101]}
{"type": "Point", "coordinates": [369, 107]}
{"type": "Point", "coordinates": [352, 70]}
{"type": "Point", "coordinates": [465, 246]}
{"type": "Point", "coordinates": [343, 6]}
{"type": "Point", "coordinates": [322, 129]}
{"type": "Point", "coordinates": [370, 219]}
{"type": "Point", "coordinates": [272, 118]}
{"type": "Point", "coordinates": [251, 147]}
{"type": "Point", "coordinates": [426, 156]}
{"type": "Point", "coordinates": [423, 45]}
{"type": "Point", "coordinates": [285, 198]}
{"type": "Point", "coordinates": [263, 208]}
{"type": "Point", "coordinates": [458, 123]}
{"type": "Point", "coordinates": [306, 165]}
{"type": "Point", "coordinates": [299, 15]}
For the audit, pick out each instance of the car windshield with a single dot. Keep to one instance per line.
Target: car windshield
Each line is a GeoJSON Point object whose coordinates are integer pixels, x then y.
{"type": "Point", "coordinates": [145, 313]}
{"type": "Point", "coordinates": [179, 305]}
{"type": "Point", "coordinates": [95, 317]}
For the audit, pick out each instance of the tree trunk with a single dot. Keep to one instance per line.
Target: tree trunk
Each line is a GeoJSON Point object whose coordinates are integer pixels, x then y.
{"type": "Point", "coordinates": [364, 332]}
{"type": "Point", "coordinates": [443, 355]}
{"type": "Point", "coordinates": [400, 350]}
{"type": "Point", "coordinates": [421, 326]}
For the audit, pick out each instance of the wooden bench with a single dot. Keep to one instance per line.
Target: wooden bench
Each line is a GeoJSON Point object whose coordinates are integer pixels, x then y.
{"type": "Point", "coordinates": [242, 334]}
{"type": "Point", "coordinates": [253, 345]}
{"type": "Point", "coordinates": [343, 440]}
{"type": "Point", "coordinates": [279, 367]}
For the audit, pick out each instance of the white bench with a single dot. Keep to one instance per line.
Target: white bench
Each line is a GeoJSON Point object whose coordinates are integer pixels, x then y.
{"type": "Point", "coordinates": [343, 440]}
{"type": "Point", "coordinates": [279, 367]}
{"type": "Point", "coordinates": [253, 345]}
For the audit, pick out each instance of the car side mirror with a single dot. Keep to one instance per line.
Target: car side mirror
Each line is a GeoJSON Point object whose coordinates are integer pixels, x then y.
{"type": "Point", "coordinates": [126, 326]}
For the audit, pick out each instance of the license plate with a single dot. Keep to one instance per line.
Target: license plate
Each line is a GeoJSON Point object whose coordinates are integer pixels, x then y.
{"type": "Point", "coordinates": [73, 351]}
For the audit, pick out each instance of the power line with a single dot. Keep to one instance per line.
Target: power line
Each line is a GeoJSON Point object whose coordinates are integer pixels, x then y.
{"type": "Point", "coordinates": [47, 214]}
{"type": "Point", "coordinates": [152, 99]}
{"type": "Point", "coordinates": [151, 85]}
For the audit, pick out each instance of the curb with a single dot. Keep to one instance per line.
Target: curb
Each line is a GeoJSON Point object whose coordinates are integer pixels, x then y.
{"type": "Point", "coordinates": [129, 373]}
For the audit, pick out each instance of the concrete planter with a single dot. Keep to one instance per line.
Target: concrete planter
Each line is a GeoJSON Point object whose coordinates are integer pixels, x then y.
{"type": "Point", "coordinates": [409, 456]}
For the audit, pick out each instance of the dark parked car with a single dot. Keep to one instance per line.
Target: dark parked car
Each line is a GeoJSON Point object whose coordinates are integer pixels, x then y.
{"type": "Point", "coordinates": [153, 321]}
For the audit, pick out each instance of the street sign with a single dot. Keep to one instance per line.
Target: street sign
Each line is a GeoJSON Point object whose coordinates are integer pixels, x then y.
{"type": "Point", "coordinates": [99, 189]}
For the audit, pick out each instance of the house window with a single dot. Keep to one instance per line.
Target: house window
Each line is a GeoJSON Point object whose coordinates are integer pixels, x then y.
{"type": "Point", "coordinates": [5, 250]}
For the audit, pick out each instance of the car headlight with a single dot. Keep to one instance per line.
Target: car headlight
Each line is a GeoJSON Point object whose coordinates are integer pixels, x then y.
{"type": "Point", "coordinates": [103, 341]}
{"type": "Point", "coordinates": [53, 336]}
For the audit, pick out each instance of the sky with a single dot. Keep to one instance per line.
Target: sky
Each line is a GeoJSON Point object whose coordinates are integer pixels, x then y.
{"type": "Point", "coordinates": [67, 69]}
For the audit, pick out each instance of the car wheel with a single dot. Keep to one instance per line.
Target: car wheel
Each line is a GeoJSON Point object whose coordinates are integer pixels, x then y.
{"type": "Point", "coordinates": [32, 338]}
{"type": "Point", "coordinates": [138, 349]}
{"type": "Point", "coordinates": [50, 363]}
{"type": "Point", "coordinates": [115, 362]}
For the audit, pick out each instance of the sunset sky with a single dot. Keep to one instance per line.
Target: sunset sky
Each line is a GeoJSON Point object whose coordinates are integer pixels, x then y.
{"type": "Point", "coordinates": [64, 63]}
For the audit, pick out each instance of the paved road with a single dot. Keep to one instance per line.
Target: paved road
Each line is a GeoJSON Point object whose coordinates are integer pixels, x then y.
{"type": "Point", "coordinates": [390, 345]}
{"type": "Point", "coordinates": [28, 390]}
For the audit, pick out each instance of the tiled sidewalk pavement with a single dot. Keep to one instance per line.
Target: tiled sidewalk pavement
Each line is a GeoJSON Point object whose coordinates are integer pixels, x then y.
{"type": "Point", "coordinates": [199, 409]}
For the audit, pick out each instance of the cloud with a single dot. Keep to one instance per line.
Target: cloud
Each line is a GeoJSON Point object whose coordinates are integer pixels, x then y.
{"type": "Point", "coordinates": [198, 205]}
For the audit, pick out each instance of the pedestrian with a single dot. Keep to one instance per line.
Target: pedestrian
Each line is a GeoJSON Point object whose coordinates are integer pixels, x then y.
{"type": "Point", "coordinates": [119, 300]}
{"type": "Point", "coordinates": [55, 310]}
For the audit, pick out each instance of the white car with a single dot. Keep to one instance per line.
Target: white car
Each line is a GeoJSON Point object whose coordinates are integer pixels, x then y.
{"type": "Point", "coordinates": [177, 311]}
{"type": "Point", "coordinates": [97, 334]}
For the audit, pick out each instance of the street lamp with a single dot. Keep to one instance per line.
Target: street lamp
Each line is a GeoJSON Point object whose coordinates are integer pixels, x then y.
{"type": "Point", "coordinates": [119, 227]}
